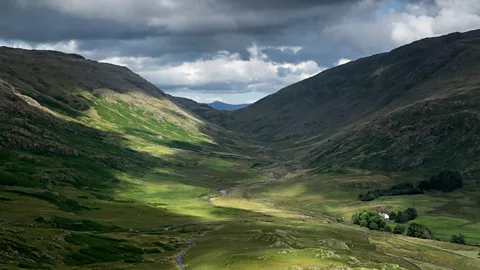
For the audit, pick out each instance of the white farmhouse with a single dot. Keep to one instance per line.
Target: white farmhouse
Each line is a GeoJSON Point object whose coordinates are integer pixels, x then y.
{"type": "Point", "coordinates": [384, 215]}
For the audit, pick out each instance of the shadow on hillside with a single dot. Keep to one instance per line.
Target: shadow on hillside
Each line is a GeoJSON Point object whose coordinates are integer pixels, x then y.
{"type": "Point", "coordinates": [51, 76]}
{"type": "Point", "coordinates": [177, 144]}
{"type": "Point", "coordinates": [48, 153]}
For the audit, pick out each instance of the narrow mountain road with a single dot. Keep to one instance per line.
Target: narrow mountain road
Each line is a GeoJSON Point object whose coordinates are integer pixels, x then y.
{"type": "Point", "coordinates": [222, 192]}
{"type": "Point", "coordinates": [179, 258]}
{"type": "Point", "coordinates": [439, 248]}
{"type": "Point", "coordinates": [247, 187]}
{"type": "Point", "coordinates": [367, 232]}
{"type": "Point", "coordinates": [272, 177]}
{"type": "Point", "coordinates": [247, 192]}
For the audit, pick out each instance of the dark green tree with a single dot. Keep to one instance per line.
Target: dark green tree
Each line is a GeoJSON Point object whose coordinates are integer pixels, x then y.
{"type": "Point", "coordinates": [369, 219]}
{"type": "Point", "coordinates": [356, 219]}
{"type": "Point", "coordinates": [399, 229]}
{"type": "Point", "coordinates": [445, 181]}
{"type": "Point", "coordinates": [458, 239]}
{"type": "Point", "coordinates": [402, 217]}
{"type": "Point", "coordinates": [425, 185]}
{"type": "Point", "coordinates": [411, 213]}
{"type": "Point", "coordinates": [419, 231]}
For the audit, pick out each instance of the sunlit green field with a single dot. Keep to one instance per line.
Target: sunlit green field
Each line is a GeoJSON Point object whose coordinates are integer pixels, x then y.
{"type": "Point", "coordinates": [336, 196]}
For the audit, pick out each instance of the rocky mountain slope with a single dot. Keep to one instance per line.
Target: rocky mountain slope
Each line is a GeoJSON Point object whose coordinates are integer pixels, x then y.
{"type": "Point", "coordinates": [414, 108]}
{"type": "Point", "coordinates": [72, 86]}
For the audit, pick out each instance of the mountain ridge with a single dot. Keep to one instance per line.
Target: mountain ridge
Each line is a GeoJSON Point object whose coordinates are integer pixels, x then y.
{"type": "Point", "coordinates": [323, 122]}
{"type": "Point", "coordinates": [218, 105]}
{"type": "Point", "coordinates": [323, 86]}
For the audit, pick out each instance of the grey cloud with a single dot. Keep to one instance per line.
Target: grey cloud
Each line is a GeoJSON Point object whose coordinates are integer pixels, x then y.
{"type": "Point", "coordinates": [283, 72]}
{"type": "Point", "coordinates": [39, 24]}
{"type": "Point", "coordinates": [50, 20]}
{"type": "Point", "coordinates": [190, 30]}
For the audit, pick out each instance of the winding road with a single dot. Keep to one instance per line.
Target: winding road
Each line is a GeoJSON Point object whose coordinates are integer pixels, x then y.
{"type": "Point", "coordinates": [180, 255]}
{"type": "Point", "coordinates": [179, 258]}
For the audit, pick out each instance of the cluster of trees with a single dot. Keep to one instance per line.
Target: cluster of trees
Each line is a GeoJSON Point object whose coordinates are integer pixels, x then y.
{"type": "Point", "coordinates": [375, 221]}
{"type": "Point", "coordinates": [400, 189]}
{"type": "Point", "coordinates": [404, 216]}
{"type": "Point", "coordinates": [371, 220]}
{"type": "Point", "coordinates": [419, 231]}
{"type": "Point", "coordinates": [414, 230]}
{"type": "Point", "coordinates": [445, 181]}
{"type": "Point", "coordinates": [399, 229]}
{"type": "Point", "coordinates": [458, 239]}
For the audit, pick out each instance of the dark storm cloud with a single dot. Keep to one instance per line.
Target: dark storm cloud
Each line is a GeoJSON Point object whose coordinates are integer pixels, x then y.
{"type": "Point", "coordinates": [53, 20]}
{"type": "Point", "coordinates": [36, 23]}
{"type": "Point", "coordinates": [164, 40]}
{"type": "Point", "coordinates": [190, 29]}
{"type": "Point", "coordinates": [186, 36]}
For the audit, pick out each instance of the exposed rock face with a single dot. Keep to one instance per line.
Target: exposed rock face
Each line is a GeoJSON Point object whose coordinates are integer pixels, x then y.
{"type": "Point", "coordinates": [19, 133]}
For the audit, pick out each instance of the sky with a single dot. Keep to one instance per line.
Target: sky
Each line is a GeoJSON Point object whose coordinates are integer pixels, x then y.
{"type": "Point", "coordinates": [234, 51]}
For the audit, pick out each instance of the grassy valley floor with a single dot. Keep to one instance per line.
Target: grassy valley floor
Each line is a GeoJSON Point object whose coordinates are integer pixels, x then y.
{"type": "Point", "coordinates": [297, 234]}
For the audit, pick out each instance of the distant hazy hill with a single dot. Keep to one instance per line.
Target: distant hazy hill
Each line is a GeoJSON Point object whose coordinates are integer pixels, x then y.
{"type": "Point", "coordinates": [217, 105]}
{"type": "Point", "coordinates": [202, 110]}
{"type": "Point", "coordinates": [414, 108]}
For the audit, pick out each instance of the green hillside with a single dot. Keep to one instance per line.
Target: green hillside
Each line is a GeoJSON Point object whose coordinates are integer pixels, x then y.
{"type": "Point", "coordinates": [412, 109]}
{"type": "Point", "coordinates": [90, 148]}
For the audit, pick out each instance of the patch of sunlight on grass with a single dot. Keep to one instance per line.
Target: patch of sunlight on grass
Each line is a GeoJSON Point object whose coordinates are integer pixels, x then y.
{"type": "Point", "coordinates": [290, 191]}
{"type": "Point", "coordinates": [154, 150]}
{"type": "Point", "coordinates": [217, 164]}
{"type": "Point", "coordinates": [176, 198]}
{"type": "Point", "coordinates": [253, 206]}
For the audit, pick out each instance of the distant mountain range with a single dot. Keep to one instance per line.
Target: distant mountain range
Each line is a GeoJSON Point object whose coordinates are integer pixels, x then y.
{"type": "Point", "coordinates": [217, 105]}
